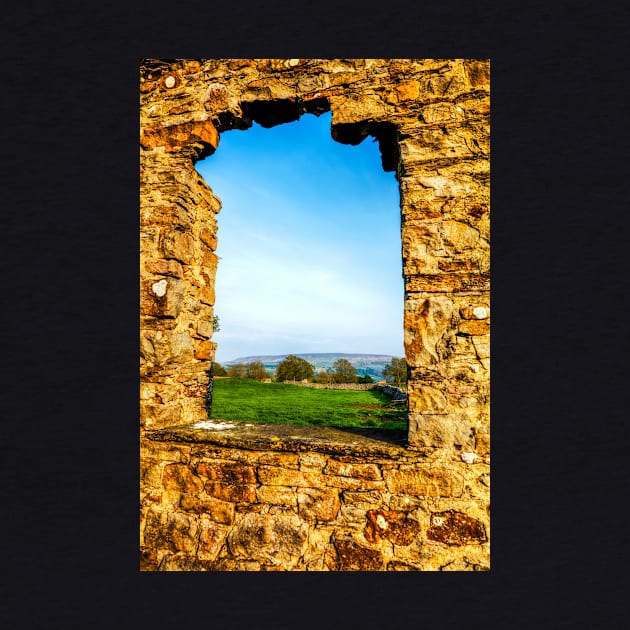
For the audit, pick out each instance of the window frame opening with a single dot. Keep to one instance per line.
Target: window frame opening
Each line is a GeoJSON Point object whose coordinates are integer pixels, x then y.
{"type": "Point", "coordinates": [261, 113]}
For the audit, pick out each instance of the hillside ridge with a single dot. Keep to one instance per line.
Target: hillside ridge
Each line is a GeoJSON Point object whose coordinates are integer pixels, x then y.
{"type": "Point", "coordinates": [365, 363]}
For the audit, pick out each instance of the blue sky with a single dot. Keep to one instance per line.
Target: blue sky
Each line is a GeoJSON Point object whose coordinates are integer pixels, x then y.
{"type": "Point", "coordinates": [309, 243]}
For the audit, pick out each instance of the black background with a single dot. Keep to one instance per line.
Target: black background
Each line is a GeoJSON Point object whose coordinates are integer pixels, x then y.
{"type": "Point", "coordinates": [68, 279]}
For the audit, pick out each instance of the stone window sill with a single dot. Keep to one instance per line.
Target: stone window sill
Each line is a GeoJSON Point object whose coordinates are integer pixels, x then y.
{"type": "Point", "coordinates": [283, 437]}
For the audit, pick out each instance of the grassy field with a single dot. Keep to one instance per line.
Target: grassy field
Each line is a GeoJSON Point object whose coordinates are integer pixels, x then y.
{"type": "Point", "coordinates": [245, 399]}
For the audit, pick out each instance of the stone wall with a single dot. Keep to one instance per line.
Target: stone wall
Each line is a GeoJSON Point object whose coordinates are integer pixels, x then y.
{"type": "Point", "coordinates": [394, 393]}
{"type": "Point", "coordinates": [431, 119]}
{"type": "Point", "coordinates": [210, 507]}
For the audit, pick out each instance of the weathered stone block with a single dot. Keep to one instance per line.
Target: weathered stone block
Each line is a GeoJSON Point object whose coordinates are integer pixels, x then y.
{"type": "Point", "coordinates": [171, 530]}
{"type": "Point", "coordinates": [205, 329]}
{"type": "Point", "coordinates": [150, 473]}
{"type": "Point", "coordinates": [346, 483]}
{"type": "Point", "coordinates": [181, 346]}
{"type": "Point", "coordinates": [442, 113]}
{"type": "Point", "coordinates": [354, 557]}
{"type": "Point", "coordinates": [276, 476]}
{"type": "Point", "coordinates": [276, 495]}
{"type": "Point", "coordinates": [426, 321]}
{"type": "Point", "coordinates": [179, 477]}
{"type": "Point", "coordinates": [312, 462]}
{"type": "Point", "coordinates": [174, 137]}
{"type": "Point", "coordinates": [209, 237]}
{"type": "Point", "coordinates": [165, 215]}
{"type": "Point", "coordinates": [285, 460]}
{"type": "Point", "coordinates": [474, 327]}
{"type": "Point", "coordinates": [237, 492]}
{"type": "Point", "coordinates": [482, 440]}
{"type": "Point", "coordinates": [162, 298]}
{"type": "Point", "coordinates": [160, 416]}
{"type": "Point", "coordinates": [227, 471]}
{"type": "Point", "coordinates": [439, 431]}
{"type": "Point", "coordinates": [362, 471]}
{"type": "Point", "coordinates": [405, 503]}
{"type": "Point", "coordinates": [474, 311]}
{"type": "Point", "coordinates": [212, 536]}
{"type": "Point", "coordinates": [207, 295]}
{"type": "Point", "coordinates": [408, 90]}
{"type": "Point", "coordinates": [203, 349]}
{"type": "Point", "coordinates": [165, 268]}
{"type": "Point", "coordinates": [425, 399]}
{"type": "Point", "coordinates": [433, 144]}
{"type": "Point", "coordinates": [482, 346]}
{"type": "Point", "coordinates": [460, 236]}
{"type": "Point", "coordinates": [427, 481]}
{"type": "Point", "coordinates": [315, 505]}
{"type": "Point", "coordinates": [394, 526]}
{"type": "Point", "coordinates": [351, 517]}
{"type": "Point", "coordinates": [279, 539]}
{"type": "Point", "coordinates": [454, 528]}
{"type": "Point", "coordinates": [268, 89]}
{"type": "Point", "coordinates": [178, 245]}
{"type": "Point", "coordinates": [369, 497]}
{"type": "Point", "coordinates": [447, 283]}
{"type": "Point", "coordinates": [217, 510]}
{"type": "Point", "coordinates": [209, 261]}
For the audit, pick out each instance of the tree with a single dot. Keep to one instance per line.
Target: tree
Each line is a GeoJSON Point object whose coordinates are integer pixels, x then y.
{"type": "Point", "coordinates": [345, 372]}
{"type": "Point", "coordinates": [256, 370]}
{"type": "Point", "coordinates": [323, 376]}
{"type": "Point", "coordinates": [219, 370]}
{"type": "Point", "coordinates": [237, 370]}
{"type": "Point", "coordinates": [216, 324]}
{"type": "Point", "coordinates": [396, 371]}
{"type": "Point", "coordinates": [294, 369]}
{"type": "Point", "coordinates": [366, 378]}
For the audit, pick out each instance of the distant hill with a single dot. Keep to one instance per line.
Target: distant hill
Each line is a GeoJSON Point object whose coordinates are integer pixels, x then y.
{"type": "Point", "coordinates": [371, 364]}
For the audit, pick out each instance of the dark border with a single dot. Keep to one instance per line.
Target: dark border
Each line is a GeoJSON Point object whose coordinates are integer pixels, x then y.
{"type": "Point", "coordinates": [69, 466]}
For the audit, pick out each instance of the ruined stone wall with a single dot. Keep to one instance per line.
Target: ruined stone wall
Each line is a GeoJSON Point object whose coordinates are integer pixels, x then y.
{"type": "Point", "coordinates": [431, 119]}
{"type": "Point", "coordinates": [217, 508]}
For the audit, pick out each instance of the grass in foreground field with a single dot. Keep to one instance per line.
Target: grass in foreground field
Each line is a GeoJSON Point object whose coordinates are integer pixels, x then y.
{"type": "Point", "coordinates": [282, 403]}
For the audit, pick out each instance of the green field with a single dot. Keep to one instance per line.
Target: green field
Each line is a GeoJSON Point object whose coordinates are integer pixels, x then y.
{"type": "Point", "coordinates": [281, 403]}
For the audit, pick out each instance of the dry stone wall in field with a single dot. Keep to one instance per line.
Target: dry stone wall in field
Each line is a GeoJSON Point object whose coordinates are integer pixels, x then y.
{"type": "Point", "coordinates": [431, 119]}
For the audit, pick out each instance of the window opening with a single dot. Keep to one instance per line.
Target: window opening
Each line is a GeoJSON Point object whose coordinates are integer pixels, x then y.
{"type": "Point", "coordinates": [309, 274]}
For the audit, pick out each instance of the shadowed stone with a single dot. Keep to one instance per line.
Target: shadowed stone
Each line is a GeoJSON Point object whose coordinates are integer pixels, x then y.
{"type": "Point", "coordinates": [174, 137]}
{"type": "Point", "coordinates": [454, 528]}
{"type": "Point", "coordinates": [180, 477]}
{"type": "Point", "coordinates": [229, 472]}
{"type": "Point", "coordinates": [394, 526]}
{"type": "Point", "coordinates": [354, 557]}
{"type": "Point", "coordinates": [170, 530]}
{"type": "Point", "coordinates": [236, 492]}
